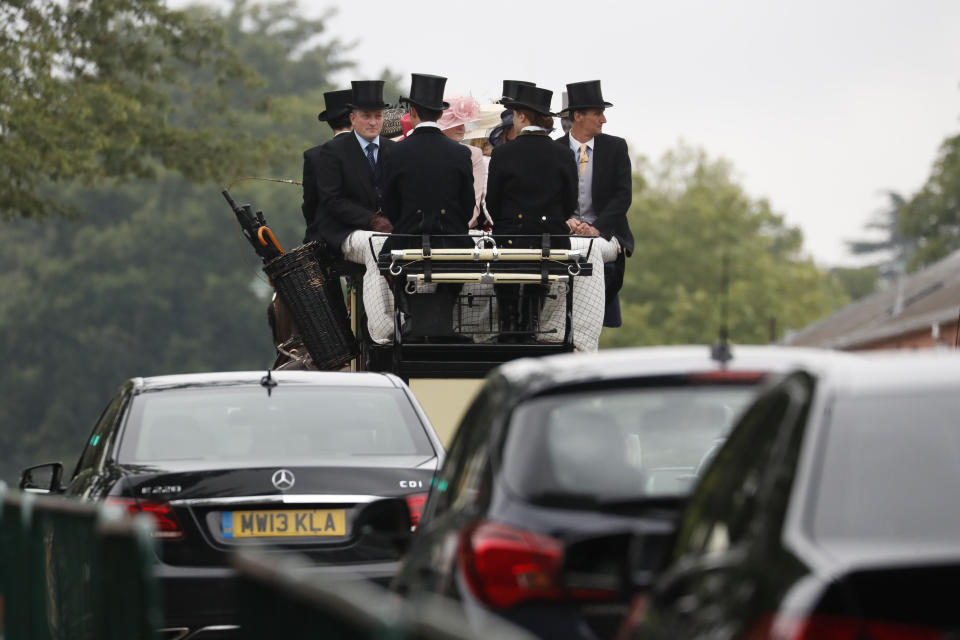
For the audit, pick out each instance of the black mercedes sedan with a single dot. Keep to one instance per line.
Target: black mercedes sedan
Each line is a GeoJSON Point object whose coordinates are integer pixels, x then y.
{"type": "Point", "coordinates": [831, 512]}
{"type": "Point", "coordinates": [558, 451]}
{"type": "Point", "coordinates": [288, 462]}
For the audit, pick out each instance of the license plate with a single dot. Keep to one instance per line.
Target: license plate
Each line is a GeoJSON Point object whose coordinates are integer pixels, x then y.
{"type": "Point", "coordinates": [283, 524]}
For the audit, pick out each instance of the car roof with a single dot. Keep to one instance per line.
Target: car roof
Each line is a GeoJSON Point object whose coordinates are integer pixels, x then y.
{"type": "Point", "coordinates": [884, 372]}
{"type": "Point", "coordinates": [613, 364]}
{"type": "Point", "coordinates": [243, 378]}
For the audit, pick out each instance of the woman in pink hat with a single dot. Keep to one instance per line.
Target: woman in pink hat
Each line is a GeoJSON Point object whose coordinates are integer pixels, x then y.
{"type": "Point", "coordinates": [463, 111]}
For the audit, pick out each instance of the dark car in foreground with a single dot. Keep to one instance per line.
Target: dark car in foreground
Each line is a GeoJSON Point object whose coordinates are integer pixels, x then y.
{"type": "Point", "coordinates": [831, 512]}
{"type": "Point", "coordinates": [559, 451]}
{"type": "Point", "coordinates": [315, 463]}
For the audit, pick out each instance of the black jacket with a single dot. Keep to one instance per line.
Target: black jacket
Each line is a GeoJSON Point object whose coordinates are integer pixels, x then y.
{"type": "Point", "coordinates": [428, 188]}
{"type": "Point", "coordinates": [531, 188]}
{"type": "Point", "coordinates": [311, 195]}
{"type": "Point", "coordinates": [612, 187]}
{"type": "Point", "coordinates": [347, 194]}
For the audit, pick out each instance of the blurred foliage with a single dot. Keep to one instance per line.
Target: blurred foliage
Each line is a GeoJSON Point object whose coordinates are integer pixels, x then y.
{"type": "Point", "coordinates": [92, 90]}
{"type": "Point", "coordinates": [688, 217]}
{"type": "Point", "coordinates": [920, 230]}
{"type": "Point", "coordinates": [931, 218]}
{"type": "Point", "coordinates": [154, 278]}
{"type": "Point", "coordinates": [892, 249]}
{"type": "Point", "coordinates": [857, 282]}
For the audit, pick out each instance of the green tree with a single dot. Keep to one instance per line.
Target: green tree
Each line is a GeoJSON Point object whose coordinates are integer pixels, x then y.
{"type": "Point", "coordinates": [931, 218]}
{"type": "Point", "coordinates": [857, 282]}
{"type": "Point", "coordinates": [154, 278]}
{"type": "Point", "coordinates": [689, 217]}
{"type": "Point", "coordinates": [91, 90]}
{"type": "Point", "coordinates": [894, 248]}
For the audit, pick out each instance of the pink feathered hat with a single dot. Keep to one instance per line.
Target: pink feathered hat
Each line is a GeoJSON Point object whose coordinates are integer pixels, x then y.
{"type": "Point", "coordinates": [463, 110]}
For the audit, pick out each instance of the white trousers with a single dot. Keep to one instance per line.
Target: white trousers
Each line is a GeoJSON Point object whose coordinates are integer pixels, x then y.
{"type": "Point", "coordinates": [377, 297]}
{"type": "Point", "coordinates": [589, 298]}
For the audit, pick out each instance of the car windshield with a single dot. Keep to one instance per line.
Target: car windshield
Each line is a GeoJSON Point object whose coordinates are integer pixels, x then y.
{"type": "Point", "coordinates": [617, 445]}
{"type": "Point", "coordinates": [890, 466]}
{"type": "Point", "coordinates": [293, 423]}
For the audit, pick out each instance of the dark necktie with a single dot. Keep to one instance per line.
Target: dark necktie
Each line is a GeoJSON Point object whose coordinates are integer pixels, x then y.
{"type": "Point", "coordinates": [370, 157]}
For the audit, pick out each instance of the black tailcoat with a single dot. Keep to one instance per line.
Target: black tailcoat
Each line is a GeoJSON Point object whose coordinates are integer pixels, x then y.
{"type": "Point", "coordinates": [612, 187]}
{"type": "Point", "coordinates": [531, 188]}
{"type": "Point", "coordinates": [429, 189]}
{"type": "Point", "coordinates": [311, 196]}
{"type": "Point", "coordinates": [348, 192]}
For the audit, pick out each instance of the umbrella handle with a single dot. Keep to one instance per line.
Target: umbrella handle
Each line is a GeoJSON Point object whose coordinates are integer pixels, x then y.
{"type": "Point", "coordinates": [269, 240]}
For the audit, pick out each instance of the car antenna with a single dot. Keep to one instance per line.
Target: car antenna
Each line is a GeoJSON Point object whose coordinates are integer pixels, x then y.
{"type": "Point", "coordinates": [268, 383]}
{"type": "Point", "coordinates": [720, 351]}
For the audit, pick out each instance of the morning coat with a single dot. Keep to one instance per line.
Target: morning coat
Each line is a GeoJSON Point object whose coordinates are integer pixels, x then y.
{"type": "Point", "coordinates": [531, 189]}
{"type": "Point", "coordinates": [612, 187]}
{"type": "Point", "coordinates": [428, 189]}
{"type": "Point", "coordinates": [348, 192]}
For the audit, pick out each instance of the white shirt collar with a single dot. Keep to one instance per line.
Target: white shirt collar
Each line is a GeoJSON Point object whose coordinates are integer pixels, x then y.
{"type": "Point", "coordinates": [427, 123]}
{"type": "Point", "coordinates": [575, 144]}
{"type": "Point", "coordinates": [364, 142]}
{"type": "Point", "coordinates": [531, 127]}
{"type": "Point", "coordinates": [340, 133]}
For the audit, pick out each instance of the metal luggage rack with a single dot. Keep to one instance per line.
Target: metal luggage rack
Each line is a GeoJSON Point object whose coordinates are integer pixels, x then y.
{"type": "Point", "coordinates": [456, 335]}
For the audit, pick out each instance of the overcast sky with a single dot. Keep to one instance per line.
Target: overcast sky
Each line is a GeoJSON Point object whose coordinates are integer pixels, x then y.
{"type": "Point", "coordinates": [820, 105]}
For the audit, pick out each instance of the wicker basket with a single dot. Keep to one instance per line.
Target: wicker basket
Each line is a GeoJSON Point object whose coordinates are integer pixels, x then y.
{"type": "Point", "coordinates": [311, 291]}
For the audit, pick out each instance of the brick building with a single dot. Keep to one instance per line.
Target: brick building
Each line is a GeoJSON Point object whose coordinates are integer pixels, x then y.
{"type": "Point", "coordinates": [918, 312]}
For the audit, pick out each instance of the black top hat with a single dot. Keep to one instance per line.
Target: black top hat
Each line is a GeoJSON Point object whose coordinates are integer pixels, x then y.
{"type": "Point", "coordinates": [510, 89]}
{"type": "Point", "coordinates": [535, 99]}
{"type": "Point", "coordinates": [427, 91]}
{"type": "Point", "coordinates": [336, 103]}
{"type": "Point", "coordinates": [585, 95]}
{"type": "Point", "coordinates": [367, 94]}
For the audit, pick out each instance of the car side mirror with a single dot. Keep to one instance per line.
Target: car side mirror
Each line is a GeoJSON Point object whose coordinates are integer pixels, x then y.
{"type": "Point", "coordinates": [42, 478]}
{"type": "Point", "coordinates": [386, 520]}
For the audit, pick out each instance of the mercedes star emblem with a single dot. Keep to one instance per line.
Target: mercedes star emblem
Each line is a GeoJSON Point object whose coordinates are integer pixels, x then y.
{"type": "Point", "coordinates": [283, 479]}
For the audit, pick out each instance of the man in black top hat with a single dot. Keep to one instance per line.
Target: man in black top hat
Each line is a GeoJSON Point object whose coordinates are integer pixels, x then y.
{"type": "Point", "coordinates": [429, 185]}
{"type": "Point", "coordinates": [605, 186]}
{"type": "Point", "coordinates": [337, 116]}
{"type": "Point", "coordinates": [350, 171]}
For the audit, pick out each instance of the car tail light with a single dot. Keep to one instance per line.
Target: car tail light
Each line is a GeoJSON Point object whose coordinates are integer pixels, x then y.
{"type": "Point", "coordinates": [504, 566]}
{"type": "Point", "coordinates": [164, 517]}
{"type": "Point", "coordinates": [818, 627]}
{"type": "Point", "coordinates": [415, 502]}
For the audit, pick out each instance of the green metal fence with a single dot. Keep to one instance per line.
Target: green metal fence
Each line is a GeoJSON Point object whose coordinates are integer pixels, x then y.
{"type": "Point", "coordinates": [73, 570]}
{"type": "Point", "coordinates": [289, 599]}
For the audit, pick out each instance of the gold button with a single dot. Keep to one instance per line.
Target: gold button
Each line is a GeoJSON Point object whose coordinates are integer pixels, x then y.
{"type": "Point", "coordinates": [509, 241]}
{"type": "Point", "coordinates": [442, 211]}
{"type": "Point", "coordinates": [519, 216]}
{"type": "Point", "coordinates": [419, 210]}
{"type": "Point", "coordinates": [544, 218]}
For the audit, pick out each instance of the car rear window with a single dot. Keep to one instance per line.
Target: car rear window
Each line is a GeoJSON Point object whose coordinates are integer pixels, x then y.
{"type": "Point", "coordinates": [889, 471]}
{"type": "Point", "coordinates": [292, 423]}
{"type": "Point", "coordinates": [618, 444]}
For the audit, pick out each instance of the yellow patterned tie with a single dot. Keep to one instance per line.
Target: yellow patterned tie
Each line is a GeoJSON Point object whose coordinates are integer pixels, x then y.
{"type": "Point", "coordinates": [584, 158]}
